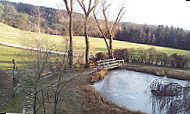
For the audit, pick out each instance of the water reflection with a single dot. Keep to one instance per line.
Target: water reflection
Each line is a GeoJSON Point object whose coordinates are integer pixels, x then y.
{"type": "Point", "coordinates": [132, 89]}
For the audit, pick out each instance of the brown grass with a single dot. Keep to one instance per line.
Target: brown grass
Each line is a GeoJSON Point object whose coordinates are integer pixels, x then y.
{"type": "Point", "coordinates": [156, 72]}
{"type": "Point", "coordinates": [178, 75]}
{"type": "Point", "coordinates": [160, 72]}
{"type": "Point", "coordinates": [81, 98]}
{"type": "Point", "coordinates": [6, 86]}
{"type": "Point", "coordinates": [99, 75]}
{"type": "Point", "coordinates": [94, 102]}
{"type": "Point", "coordinates": [5, 80]}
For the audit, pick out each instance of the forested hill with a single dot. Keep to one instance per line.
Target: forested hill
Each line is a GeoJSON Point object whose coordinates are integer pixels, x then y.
{"type": "Point", "coordinates": [155, 35]}
{"type": "Point", "coordinates": [53, 21]}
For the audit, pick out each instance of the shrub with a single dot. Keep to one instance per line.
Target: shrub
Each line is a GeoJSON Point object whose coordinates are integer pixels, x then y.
{"type": "Point", "coordinates": [121, 54]}
{"type": "Point", "coordinates": [100, 56]}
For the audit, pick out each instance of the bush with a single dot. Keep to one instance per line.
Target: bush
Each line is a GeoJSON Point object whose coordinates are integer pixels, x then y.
{"type": "Point", "coordinates": [100, 56]}
{"type": "Point", "coordinates": [121, 54]}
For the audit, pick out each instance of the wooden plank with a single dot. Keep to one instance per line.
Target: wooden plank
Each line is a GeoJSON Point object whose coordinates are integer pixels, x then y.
{"type": "Point", "coordinates": [110, 63]}
{"type": "Point", "coordinates": [105, 60]}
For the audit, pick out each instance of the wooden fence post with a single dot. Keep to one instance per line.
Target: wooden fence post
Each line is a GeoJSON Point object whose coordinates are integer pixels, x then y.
{"type": "Point", "coordinates": [14, 69]}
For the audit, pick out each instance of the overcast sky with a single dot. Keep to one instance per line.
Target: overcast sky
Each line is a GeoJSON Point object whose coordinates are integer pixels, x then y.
{"type": "Point", "coordinates": [166, 12]}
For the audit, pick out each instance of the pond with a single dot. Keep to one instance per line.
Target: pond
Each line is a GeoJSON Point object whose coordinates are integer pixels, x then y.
{"type": "Point", "coordinates": [132, 89]}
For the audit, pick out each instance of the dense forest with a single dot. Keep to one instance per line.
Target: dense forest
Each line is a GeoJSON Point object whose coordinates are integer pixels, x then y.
{"type": "Point", "coordinates": [155, 35]}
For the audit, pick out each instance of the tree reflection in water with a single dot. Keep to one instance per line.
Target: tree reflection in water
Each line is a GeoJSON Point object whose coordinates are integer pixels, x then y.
{"type": "Point", "coordinates": [169, 98]}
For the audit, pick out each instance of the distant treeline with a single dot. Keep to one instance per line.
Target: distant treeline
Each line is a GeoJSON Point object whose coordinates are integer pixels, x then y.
{"type": "Point", "coordinates": [153, 57]}
{"type": "Point", "coordinates": [155, 35]}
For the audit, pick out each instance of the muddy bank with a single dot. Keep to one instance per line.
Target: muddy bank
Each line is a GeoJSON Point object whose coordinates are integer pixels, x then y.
{"type": "Point", "coordinates": [159, 72]}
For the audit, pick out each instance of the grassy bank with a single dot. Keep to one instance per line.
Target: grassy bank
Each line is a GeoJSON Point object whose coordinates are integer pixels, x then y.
{"type": "Point", "coordinates": [170, 73]}
{"type": "Point", "coordinates": [11, 35]}
{"type": "Point", "coordinates": [81, 98]}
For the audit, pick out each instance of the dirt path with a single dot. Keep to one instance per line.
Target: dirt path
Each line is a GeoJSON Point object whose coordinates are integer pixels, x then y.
{"type": "Point", "coordinates": [34, 49]}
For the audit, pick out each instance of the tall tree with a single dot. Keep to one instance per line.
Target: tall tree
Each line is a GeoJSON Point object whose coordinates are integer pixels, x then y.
{"type": "Point", "coordinates": [188, 41]}
{"type": "Point", "coordinates": [110, 31]}
{"type": "Point", "coordinates": [87, 11]}
{"type": "Point", "coordinates": [160, 35]}
{"type": "Point", "coordinates": [167, 33]}
{"type": "Point", "coordinates": [182, 39]}
{"type": "Point", "coordinates": [171, 37]}
{"type": "Point", "coordinates": [69, 8]}
{"type": "Point", "coordinates": [176, 38]}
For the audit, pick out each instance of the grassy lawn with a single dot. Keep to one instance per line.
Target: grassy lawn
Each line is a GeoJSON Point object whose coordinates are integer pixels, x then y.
{"type": "Point", "coordinates": [8, 53]}
{"type": "Point", "coordinates": [12, 35]}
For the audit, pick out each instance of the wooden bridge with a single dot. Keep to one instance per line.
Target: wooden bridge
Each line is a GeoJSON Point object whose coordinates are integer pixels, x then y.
{"type": "Point", "coordinates": [110, 63]}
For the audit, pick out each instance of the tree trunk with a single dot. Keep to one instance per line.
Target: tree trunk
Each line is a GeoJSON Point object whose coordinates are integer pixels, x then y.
{"type": "Point", "coordinates": [55, 104]}
{"type": "Point", "coordinates": [35, 99]}
{"type": "Point", "coordinates": [70, 42]}
{"type": "Point", "coordinates": [107, 46]}
{"type": "Point", "coordinates": [43, 101]}
{"type": "Point", "coordinates": [87, 42]}
{"type": "Point", "coordinates": [111, 51]}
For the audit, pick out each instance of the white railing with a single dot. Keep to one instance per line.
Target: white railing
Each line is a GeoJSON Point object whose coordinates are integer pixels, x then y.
{"type": "Point", "coordinates": [110, 63]}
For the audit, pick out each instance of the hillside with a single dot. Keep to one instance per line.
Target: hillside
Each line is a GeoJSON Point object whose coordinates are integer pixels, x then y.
{"type": "Point", "coordinates": [53, 21]}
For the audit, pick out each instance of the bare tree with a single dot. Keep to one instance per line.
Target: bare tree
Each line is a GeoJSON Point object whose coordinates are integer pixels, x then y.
{"type": "Point", "coordinates": [69, 7]}
{"type": "Point", "coordinates": [59, 72]}
{"type": "Point", "coordinates": [87, 11]}
{"type": "Point", "coordinates": [109, 32]}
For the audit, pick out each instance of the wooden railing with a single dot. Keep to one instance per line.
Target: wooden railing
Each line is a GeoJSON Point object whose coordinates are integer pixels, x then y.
{"type": "Point", "coordinates": [110, 63]}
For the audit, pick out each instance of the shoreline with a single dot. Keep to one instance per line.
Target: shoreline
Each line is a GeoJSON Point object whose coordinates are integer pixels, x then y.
{"type": "Point", "coordinates": [169, 73]}
{"type": "Point", "coordinates": [96, 101]}
{"type": "Point", "coordinates": [159, 72]}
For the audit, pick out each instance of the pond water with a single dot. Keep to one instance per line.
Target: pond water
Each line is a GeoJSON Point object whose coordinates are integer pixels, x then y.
{"type": "Point", "coordinates": [132, 89]}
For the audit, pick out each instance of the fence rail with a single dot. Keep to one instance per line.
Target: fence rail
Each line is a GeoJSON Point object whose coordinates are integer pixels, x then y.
{"type": "Point", "coordinates": [110, 63]}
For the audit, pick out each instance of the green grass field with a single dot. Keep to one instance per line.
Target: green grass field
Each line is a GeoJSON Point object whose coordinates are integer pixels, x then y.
{"type": "Point", "coordinates": [16, 36]}
{"type": "Point", "coordinates": [11, 35]}
{"type": "Point", "coordinates": [8, 53]}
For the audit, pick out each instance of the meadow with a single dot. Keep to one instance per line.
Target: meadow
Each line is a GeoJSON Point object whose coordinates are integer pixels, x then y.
{"type": "Point", "coordinates": [12, 35]}
{"type": "Point", "coordinates": [9, 53]}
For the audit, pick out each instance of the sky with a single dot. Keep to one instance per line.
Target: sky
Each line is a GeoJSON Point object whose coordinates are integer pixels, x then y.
{"type": "Point", "coordinates": [153, 12]}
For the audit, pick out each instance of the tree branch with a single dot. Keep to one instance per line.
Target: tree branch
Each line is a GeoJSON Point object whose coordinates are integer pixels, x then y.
{"type": "Point", "coordinates": [105, 17]}
{"type": "Point", "coordinates": [119, 16]}
{"type": "Point", "coordinates": [81, 3]}
{"type": "Point", "coordinates": [103, 34]}
{"type": "Point", "coordinates": [67, 6]}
